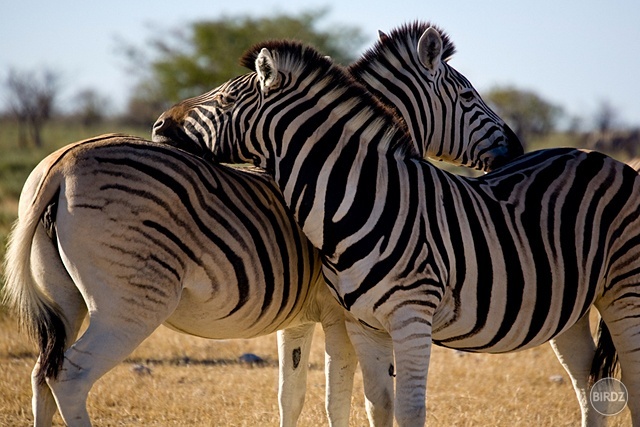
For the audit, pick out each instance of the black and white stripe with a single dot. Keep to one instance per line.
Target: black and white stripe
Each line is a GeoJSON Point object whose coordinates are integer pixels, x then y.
{"type": "Point", "coordinates": [495, 264]}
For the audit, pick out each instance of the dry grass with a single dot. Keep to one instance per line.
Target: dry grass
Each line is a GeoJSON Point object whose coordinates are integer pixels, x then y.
{"type": "Point", "coordinates": [199, 382]}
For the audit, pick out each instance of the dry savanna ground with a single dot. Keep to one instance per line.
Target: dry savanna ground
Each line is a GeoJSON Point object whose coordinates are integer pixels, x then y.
{"type": "Point", "coordinates": [192, 381]}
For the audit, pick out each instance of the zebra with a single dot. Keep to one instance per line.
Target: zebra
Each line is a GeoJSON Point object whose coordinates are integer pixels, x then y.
{"type": "Point", "coordinates": [293, 275]}
{"type": "Point", "coordinates": [416, 255]}
{"type": "Point", "coordinates": [140, 234]}
{"type": "Point", "coordinates": [448, 120]}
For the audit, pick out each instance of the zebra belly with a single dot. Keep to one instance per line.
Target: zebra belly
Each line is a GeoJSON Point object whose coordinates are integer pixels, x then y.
{"type": "Point", "coordinates": [222, 315]}
{"type": "Point", "coordinates": [465, 326]}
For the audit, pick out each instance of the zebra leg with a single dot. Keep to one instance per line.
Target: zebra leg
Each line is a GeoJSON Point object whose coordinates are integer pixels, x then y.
{"type": "Point", "coordinates": [294, 346]}
{"type": "Point", "coordinates": [412, 349]}
{"type": "Point", "coordinates": [375, 354]}
{"type": "Point", "coordinates": [340, 366]}
{"type": "Point", "coordinates": [575, 350]}
{"type": "Point", "coordinates": [50, 274]}
{"type": "Point", "coordinates": [126, 300]}
{"type": "Point", "coordinates": [110, 337]}
{"type": "Point", "coordinates": [43, 405]}
{"type": "Point", "coordinates": [621, 318]}
{"type": "Point", "coordinates": [121, 315]}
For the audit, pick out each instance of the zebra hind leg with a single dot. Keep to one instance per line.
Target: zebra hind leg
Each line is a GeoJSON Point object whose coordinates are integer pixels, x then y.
{"type": "Point", "coordinates": [127, 295]}
{"type": "Point", "coordinates": [121, 316]}
{"type": "Point", "coordinates": [621, 319]}
{"type": "Point", "coordinates": [107, 341]}
{"type": "Point", "coordinates": [575, 350]}
{"type": "Point", "coordinates": [50, 275]}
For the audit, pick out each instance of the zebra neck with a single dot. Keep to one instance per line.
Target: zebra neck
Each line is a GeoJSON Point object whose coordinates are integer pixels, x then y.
{"type": "Point", "coordinates": [339, 171]}
{"type": "Point", "coordinates": [407, 104]}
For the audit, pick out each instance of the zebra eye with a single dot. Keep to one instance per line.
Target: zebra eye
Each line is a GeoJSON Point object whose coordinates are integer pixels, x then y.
{"type": "Point", "coordinates": [467, 94]}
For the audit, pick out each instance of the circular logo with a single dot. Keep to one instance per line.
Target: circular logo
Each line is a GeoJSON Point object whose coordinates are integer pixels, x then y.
{"type": "Point", "coordinates": [609, 396]}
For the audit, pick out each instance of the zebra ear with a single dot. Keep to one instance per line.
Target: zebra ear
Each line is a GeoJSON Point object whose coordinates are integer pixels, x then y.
{"type": "Point", "coordinates": [267, 71]}
{"type": "Point", "coordinates": [430, 49]}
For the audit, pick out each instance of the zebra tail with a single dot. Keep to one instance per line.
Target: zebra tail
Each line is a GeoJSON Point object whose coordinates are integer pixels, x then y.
{"type": "Point", "coordinates": [605, 360]}
{"type": "Point", "coordinates": [37, 313]}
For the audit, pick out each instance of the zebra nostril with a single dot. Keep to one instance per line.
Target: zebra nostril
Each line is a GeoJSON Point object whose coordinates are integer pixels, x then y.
{"type": "Point", "coordinates": [161, 129]}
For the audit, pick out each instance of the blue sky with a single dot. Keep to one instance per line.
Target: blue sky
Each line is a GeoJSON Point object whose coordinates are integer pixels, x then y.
{"type": "Point", "coordinates": [575, 53]}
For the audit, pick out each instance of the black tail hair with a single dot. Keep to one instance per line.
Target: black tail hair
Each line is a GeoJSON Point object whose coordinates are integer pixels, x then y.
{"type": "Point", "coordinates": [605, 360]}
{"type": "Point", "coordinates": [51, 337]}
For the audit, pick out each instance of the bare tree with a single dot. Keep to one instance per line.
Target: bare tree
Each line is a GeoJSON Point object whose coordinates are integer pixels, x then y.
{"type": "Point", "coordinates": [32, 101]}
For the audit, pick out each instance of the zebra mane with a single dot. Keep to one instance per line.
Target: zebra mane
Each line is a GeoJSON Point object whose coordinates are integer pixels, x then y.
{"type": "Point", "coordinates": [298, 58]}
{"type": "Point", "coordinates": [399, 40]}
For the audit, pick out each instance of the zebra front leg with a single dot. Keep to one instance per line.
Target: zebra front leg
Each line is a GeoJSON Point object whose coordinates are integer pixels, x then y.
{"type": "Point", "coordinates": [340, 367]}
{"type": "Point", "coordinates": [575, 350]}
{"type": "Point", "coordinates": [374, 350]}
{"type": "Point", "coordinates": [294, 346]}
{"type": "Point", "coordinates": [412, 349]}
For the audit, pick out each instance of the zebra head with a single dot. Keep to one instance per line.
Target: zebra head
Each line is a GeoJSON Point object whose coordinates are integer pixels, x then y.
{"type": "Point", "coordinates": [408, 70]}
{"type": "Point", "coordinates": [230, 121]}
{"type": "Point", "coordinates": [203, 124]}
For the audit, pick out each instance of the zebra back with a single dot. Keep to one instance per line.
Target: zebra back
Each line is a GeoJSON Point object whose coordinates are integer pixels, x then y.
{"type": "Point", "coordinates": [220, 233]}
